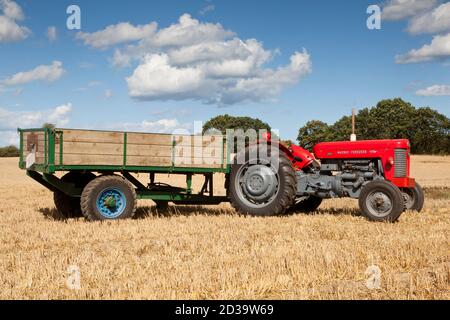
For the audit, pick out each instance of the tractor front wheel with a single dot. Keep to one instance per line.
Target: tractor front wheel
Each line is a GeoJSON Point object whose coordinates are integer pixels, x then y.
{"type": "Point", "coordinates": [414, 198]}
{"type": "Point", "coordinates": [381, 201]}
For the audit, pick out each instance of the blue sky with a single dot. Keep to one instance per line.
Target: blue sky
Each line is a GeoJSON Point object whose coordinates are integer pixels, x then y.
{"type": "Point", "coordinates": [285, 62]}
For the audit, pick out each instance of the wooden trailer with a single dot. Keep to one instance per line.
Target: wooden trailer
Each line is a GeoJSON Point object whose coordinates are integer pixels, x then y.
{"type": "Point", "coordinates": [89, 154]}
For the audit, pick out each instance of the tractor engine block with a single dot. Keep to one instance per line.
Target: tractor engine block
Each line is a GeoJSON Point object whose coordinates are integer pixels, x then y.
{"type": "Point", "coordinates": [337, 178]}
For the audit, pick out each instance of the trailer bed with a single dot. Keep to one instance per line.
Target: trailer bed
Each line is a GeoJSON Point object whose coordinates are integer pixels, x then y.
{"type": "Point", "coordinates": [50, 150]}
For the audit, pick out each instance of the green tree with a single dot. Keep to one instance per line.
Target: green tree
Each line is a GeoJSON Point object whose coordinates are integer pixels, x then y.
{"type": "Point", "coordinates": [224, 122]}
{"type": "Point", "coordinates": [431, 133]}
{"type": "Point", "coordinates": [313, 132]}
{"type": "Point", "coordinates": [48, 125]}
{"type": "Point", "coordinates": [9, 151]}
{"type": "Point", "coordinates": [393, 118]}
{"type": "Point", "coordinates": [427, 129]}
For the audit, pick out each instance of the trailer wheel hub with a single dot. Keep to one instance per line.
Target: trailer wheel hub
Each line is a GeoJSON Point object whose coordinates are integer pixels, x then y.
{"type": "Point", "coordinates": [111, 203]}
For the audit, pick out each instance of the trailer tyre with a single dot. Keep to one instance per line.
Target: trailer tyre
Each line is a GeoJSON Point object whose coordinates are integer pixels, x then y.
{"type": "Point", "coordinates": [66, 207]}
{"type": "Point", "coordinates": [381, 201]}
{"type": "Point", "coordinates": [306, 205]}
{"type": "Point", "coordinates": [414, 198]}
{"type": "Point", "coordinates": [265, 185]}
{"type": "Point", "coordinates": [69, 207]}
{"type": "Point", "coordinates": [161, 205]}
{"type": "Point", "coordinates": [108, 198]}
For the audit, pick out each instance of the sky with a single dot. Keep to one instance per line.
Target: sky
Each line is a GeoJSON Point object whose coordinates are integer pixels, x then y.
{"type": "Point", "coordinates": [160, 66]}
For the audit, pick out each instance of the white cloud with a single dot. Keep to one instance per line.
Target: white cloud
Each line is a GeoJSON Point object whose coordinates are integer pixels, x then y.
{"type": "Point", "coordinates": [401, 9]}
{"type": "Point", "coordinates": [187, 32]}
{"type": "Point", "coordinates": [206, 9]}
{"type": "Point", "coordinates": [198, 61]}
{"type": "Point", "coordinates": [52, 33]}
{"type": "Point", "coordinates": [11, 120]}
{"type": "Point", "coordinates": [10, 30]}
{"type": "Point", "coordinates": [11, 10]}
{"type": "Point", "coordinates": [9, 138]}
{"type": "Point", "coordinates": [438, 49]}
{"type": "Point", "coordinates": [269, 83]}
{"type": "Point", "coordinates": [223, 82]}
{"type": "Point", "coordinates": [435, 21]}
{"type": "Point", "coordinates": [59, 115]}
{"type": "Point", "coordinates": [145, 83]}
{"type": "Point", "coordinates": [157, 126]}
{"type": "Point", "coordinates": [47, 73]}
{"type": "Point", "coordinates": [204, 61]}
{"type": "Point", "coordinates": [436, 90]}
{"type": "Point", "coordinates": [117, 34]}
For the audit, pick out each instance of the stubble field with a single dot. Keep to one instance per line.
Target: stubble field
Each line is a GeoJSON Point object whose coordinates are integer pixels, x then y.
{"type": "Point", "coordinates": [210, 252]}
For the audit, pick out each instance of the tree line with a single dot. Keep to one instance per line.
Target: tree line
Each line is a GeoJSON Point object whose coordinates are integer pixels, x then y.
{"type": "Point", "coordinates": [427, 130]}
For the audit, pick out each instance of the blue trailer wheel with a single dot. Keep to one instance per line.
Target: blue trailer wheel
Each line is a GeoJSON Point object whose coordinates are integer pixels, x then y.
{"type": "Point", "coordinates": [108, 197]}
{"type": "Point", "coordinates": [111, 203]}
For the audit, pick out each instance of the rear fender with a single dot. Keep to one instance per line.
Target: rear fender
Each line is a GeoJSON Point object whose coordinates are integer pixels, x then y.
{"type": "Point", "coordinates": [299, 157]}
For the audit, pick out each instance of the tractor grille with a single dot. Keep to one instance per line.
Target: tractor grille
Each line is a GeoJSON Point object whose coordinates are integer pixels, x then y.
{"type": "Point", "coordinates": [400, 163]}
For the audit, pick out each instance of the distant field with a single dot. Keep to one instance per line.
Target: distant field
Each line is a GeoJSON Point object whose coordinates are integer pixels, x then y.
{"type": "Point", "coordinates": [210, 252]}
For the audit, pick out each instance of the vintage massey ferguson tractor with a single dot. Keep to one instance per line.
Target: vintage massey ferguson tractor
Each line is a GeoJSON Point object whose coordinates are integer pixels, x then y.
{"type": "Point", "coordinates": [91, 173]}
{"type": "Point", "coordinates": [377, 172]}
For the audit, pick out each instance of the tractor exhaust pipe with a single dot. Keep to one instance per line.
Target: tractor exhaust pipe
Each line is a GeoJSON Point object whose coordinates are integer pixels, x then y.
{"type": "Point", "coordinates": [353, 135]}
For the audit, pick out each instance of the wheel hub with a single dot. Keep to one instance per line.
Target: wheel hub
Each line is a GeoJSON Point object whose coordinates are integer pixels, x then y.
{"type": "Point", "coordinates": [379, 203]}
{"type": "Point", "coordinates": [259, 183]}
{"type": "Point", "coordinates": [111, 203]}
{"type": "Point", "coordinates": [409, 198]}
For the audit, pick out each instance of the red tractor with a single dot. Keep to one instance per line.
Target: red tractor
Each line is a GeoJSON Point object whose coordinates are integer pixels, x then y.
{"type": "Point", "coordinates": [376, 172]}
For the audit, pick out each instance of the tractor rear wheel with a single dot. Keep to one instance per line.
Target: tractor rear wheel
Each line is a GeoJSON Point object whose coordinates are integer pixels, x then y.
{"type": "Point", "coordinates": [108, 197]}
{"type": "Point", "coordinates": [414, 198]}
{"type": "Point", "coordinates": [264, 184]}
{"type": "Point", "coordinates": [306, 204]}
{"type": "Point", "coordinates": [67, 206]}
{"type": "Point", "coordinates": [381, 201]}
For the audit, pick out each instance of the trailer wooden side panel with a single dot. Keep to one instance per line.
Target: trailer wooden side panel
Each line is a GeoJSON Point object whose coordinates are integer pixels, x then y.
{"type": "Point", "coordinates": [89, 148]}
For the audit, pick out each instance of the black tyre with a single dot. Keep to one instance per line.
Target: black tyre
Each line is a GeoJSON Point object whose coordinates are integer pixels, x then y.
{"type": "Point", "coordinates": [264, 185]}
{"type": "Point", "coordinates": [162, 205]}
{"type": "Point", "coordinates": [66, 206]}
{"type": "Point", "coordinates": [381, 201]}
{"type": "Point", "coordinates": [108, 198]}
{"type": "Point", "coordinates": [306, 204]}
{"type": "Point", "coordinates": [414, 198]}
